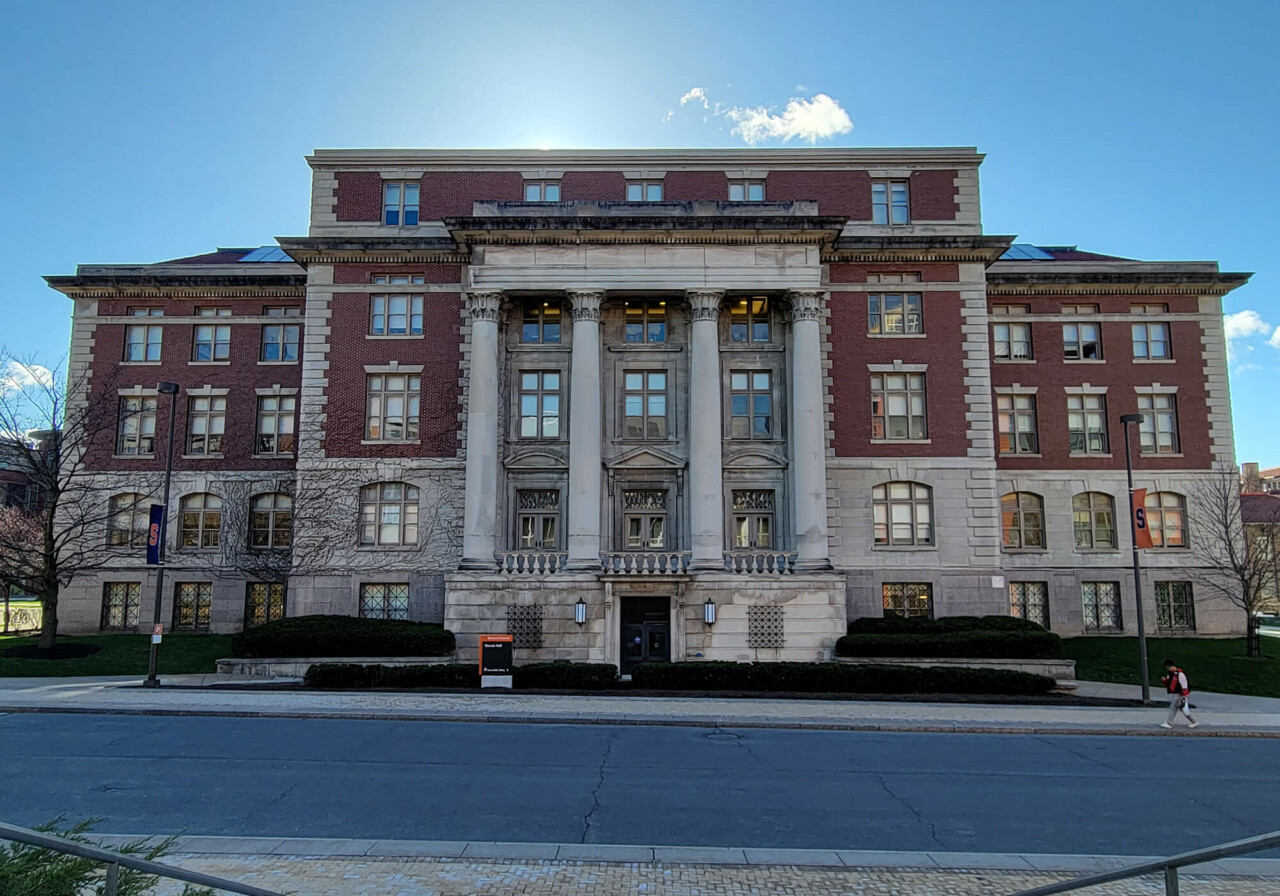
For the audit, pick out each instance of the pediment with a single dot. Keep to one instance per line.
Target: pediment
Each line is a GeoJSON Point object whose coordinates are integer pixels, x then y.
{"type": "Point", "coordinates": [645, 458]}
{"type": "Point", "coordinates": [754, 459]}
{"type": "Point", "coordinates": [535, 457]}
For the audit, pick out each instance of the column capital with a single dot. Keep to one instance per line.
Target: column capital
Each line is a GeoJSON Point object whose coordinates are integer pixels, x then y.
{"type": "Point", "coordinates": [586, 303]}
{"type": "Point", "coordinates": [484, 305]}
{"type": "Point", "coordinates": [807, 304]}
{"type": "Point", "coordinates": [704, 304]}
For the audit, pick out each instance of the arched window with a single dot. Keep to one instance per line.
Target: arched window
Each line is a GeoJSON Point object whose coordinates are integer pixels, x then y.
{"type": "Point", "coordinates": [903, 513]}
{"type": "Point", "coordinates": [271, 521]}
{"type": "Point", "coordinates": [201, 521]}
{"type": "Point", "coordinates": [1022, 520]}
{"type": "Point", "coordinates": [389, 514]}
{"type": "Point", "coordinates": [128, 522]}
{"type": "Point", "coordinates": [1166, 519]}
{"type": "Point", "coordinates": [1095, 520]}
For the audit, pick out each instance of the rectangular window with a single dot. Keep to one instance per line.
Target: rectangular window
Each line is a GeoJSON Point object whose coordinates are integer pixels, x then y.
{"type": "Point", "coordinates": [902, 513]}
{"type": "Point", "coordinates": [280, 342]}
{"type": "Point", "coordinates": [1029, 601]}
{"type": "Point", "coordinates": [644, 191]}
{"type": "Point", "coordinates": [145, 312]}
{"type": "Point", "coordinates": [275, 424]}
{"type": "Point", "coordinates": [907, 599]}
{"type": "Point", "coordinates": [211, 343]}
{"type": "Point", "coordinates": [137, 431]}
{"type": "Point", "coordinates": [541, 322]}
{"type": "Point", "coordinates": [1101, 606]}
{"type": "Point", "coordinates": [1158, 431]}
{"type": "Point", "coordinates": [391, 411]}
{"type": "Point", "coordinates": [120, 602]}
{"type": "Point", "coordinates": [749, 320]}
{"type": "Point", "coordinates": [889, 202]}
{"type": "Point", "coordinates": [213, 312]}
{"type": "Point", "coordinates": [395, 315]}
{"type": "Point", "coordinates": [1151, 342]}
{"type": "Point", "coordinates": [753, 519]}
{"type": "Point", "coordinates": [542, 191]}
{"type": "Point", "coordinates": [644, 404]}
{"type": "Point", "coordinates": [645, 519]}
{"type": "Point", "coordinates": [898, 407]}
{"type": "Point", "coordinates": [538, 519]}
{"type": "Point", "coordinates": [1082, 342]}
{"type": "Point", "coordinates": [746, 191]}
{"type": "Point", "coordinates": [1149, 309]}
{"type": "Point", "coordinates": [400, 204]}
{"type": "Point", "coordinates": [1004, 310]}
{"type": "Point", "coordinates": [540, 404]}
{"type": "Point", "coordinates": [1087, 424]}
{"type": "Point", "coordinates": [142, 342]}
{"type": "Point", "coordinates": [282, 311]}
{"type": "Point", "coordinates": [1079, 309]}
{"type": "Point", "coordinates": [750, 404]}
{"type": "Point", "coordinates": [383, 601]}
{"type": "Point", "coordinates": [894, 277]}
{"type": "Point", "coordinates": [646, 322]}
{"type": "Point", "coordinates": [206, 423]}
{"type": "Point", "coordinates": [191, 606]}
{"type": "Point", "coordinates": [894, 313]}
{"type": "Point", "coordinates": [263, 602]}
{"type": "Point", "coordinates": [1175, 607]}
{"type": "Point", "coordinates": [1012, 342]}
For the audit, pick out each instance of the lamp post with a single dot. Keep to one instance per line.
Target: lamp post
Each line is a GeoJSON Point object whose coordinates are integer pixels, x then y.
{"type": "Point", "coordinates": [164, 388]}
{"type": "Point", "coordinates": [1125, 421]}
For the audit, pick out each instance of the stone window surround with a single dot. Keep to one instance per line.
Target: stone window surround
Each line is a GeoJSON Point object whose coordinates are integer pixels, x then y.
{"type": "Point", "coordinates": [524, 480]}
{"type": "Point", "coordinates": [898, 367]}
{"type": "Point", "coordinates": [209, 392]}
{"type": "Point", "coordinates": [759, 480]}
{"type": "Point", "coordinates": [634, 366]}
{"type": "Point", "coordinates": [1081, 391]}
{"type": "Point", "coordinates": [668, 480]}
{"type": "Point", "coordinates": [1017, 391]}
{"type": "Point", "coordinates": [393, 368]}
{"type": "Point", "coordinates": [137, 392]}
{"type": "Point", "coordinates": [275, 391]}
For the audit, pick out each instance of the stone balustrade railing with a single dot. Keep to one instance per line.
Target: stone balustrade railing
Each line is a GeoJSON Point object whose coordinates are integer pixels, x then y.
{"type": "Point", "coordinates": [760, 562]}
{"type": "Point", "coordinates": [531, 561]}
{"type": "Point", "coordinates": [645, 563]}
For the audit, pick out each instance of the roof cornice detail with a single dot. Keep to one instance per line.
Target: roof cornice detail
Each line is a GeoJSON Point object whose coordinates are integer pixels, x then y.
{"type": "Point", "coordinates": [384, 250]}
{"type": "Point", "coordinates": [661, 230]}
{"type": "Point", "coordinates": [212, 285]}
{"type": "Point", "coordinates": [918, 248]}
{"type": "Point", "coordinates": [1132, 282]}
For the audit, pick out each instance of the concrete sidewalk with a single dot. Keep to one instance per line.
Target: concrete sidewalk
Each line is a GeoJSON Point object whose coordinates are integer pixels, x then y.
{"type": "Point", "coordinates": [1219, 714]}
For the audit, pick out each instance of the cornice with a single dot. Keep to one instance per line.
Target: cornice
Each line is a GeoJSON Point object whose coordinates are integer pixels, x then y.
{"type": "Point", "coordinates": [882, 249]}
{"type": "Point", "coordinates": [677, 230]}
{"type": "Point", "coordinates": [1113, 283]}
{"type": "Point", "coordinates": [384, 250]}
{"type": "Point", "coordinates": [160, 285]}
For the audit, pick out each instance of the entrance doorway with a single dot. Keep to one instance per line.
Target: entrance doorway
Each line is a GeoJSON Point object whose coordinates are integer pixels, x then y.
{"type": "Point", "coordinates": [646, 631]}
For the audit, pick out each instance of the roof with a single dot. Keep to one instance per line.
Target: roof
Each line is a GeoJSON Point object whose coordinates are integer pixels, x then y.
{"type": "Point", "coordinates": [1028, 252]}
{"type": "Point", "coordinates": [233, 256]}
{"type": "Point", "coordinates": [1259, 507]}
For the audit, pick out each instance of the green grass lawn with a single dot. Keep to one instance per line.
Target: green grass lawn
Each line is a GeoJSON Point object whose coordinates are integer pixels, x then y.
{"type": "Point", "coordinates": [1211, 664]}
{"type": "Point", "coordinates": [121, 655]}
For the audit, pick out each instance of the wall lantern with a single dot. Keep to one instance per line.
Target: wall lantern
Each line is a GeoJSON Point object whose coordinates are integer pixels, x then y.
{"type": "Point", "coordinates": [709, 612]}
{"type": "Point", "coordinates": [580, 612]}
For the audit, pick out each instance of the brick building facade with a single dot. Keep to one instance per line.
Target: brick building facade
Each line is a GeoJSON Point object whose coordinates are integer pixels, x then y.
{"type": "Point", "coordinates": [510, 390]}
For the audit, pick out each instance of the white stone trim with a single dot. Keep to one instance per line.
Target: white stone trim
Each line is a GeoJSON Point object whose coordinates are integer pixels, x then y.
{"type": "Point", "coordinates": [137, 391]}
{"type": "Point", "coordinates": [275, 389]}
{"type": "Point", "coordinates": [393, 367]}
{"type": "Point", "coordinates": [204, 391]}
{"type": "Point", "coordinates": [897, 367]}
{"type": "Point", "coordinates": [1018, 389]}
{"type": "Point", "coordinates": [1085, 389]}
{"type": "Point", "coordinates": [1155, 389]}
{"type": "Point", "coordinates": [1213, 350]}
{"type": "Point", "coordinates": [314, 398]}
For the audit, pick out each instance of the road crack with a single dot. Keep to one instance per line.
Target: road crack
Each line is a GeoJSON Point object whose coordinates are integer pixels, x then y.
{"type": "Point", "coordinates": [933, 830]}
{"type": "Point", "coordinates": [595, 793]}
{"type": "Point", "coordinates": [274, 802]}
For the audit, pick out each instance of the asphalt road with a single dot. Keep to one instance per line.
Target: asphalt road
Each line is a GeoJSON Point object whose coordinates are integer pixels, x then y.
{"type": "Point", "coordinates": [637, 784]}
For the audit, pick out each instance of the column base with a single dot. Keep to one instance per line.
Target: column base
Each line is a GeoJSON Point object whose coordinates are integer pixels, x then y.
{"type": "Point", "coordinates": [583, 564]}
{"type": "Point", "coordinates": [814, 566]}
{"type": "Point", "coordinates": [474, 564]}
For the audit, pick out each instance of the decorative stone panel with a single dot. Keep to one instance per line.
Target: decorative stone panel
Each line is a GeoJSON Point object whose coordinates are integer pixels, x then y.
{"type": "Point", "coordinates": [764, 627]}
{"type": "Point", "coordinates": [524, 624]}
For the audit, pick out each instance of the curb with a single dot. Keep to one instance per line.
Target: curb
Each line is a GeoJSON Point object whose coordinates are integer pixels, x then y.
{"type": "Point", "coordinates": [832, 859]}
{"type": "Point", "coordinates": [691, 722]}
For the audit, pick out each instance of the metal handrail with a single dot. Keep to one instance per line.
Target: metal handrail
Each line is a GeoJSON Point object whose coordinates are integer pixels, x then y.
{"type": "Point", "coordinates": [114, 860]}
{"type": "Point", "coordinates": [1169, 866]}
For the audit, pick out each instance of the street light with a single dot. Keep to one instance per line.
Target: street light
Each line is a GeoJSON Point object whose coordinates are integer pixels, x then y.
{"type": "Point", "coordinates": [164, 388]}
{"type": "Point", "coordinates": [1125, 420]}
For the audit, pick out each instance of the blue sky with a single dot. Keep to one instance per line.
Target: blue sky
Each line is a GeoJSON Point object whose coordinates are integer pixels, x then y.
{"type": "Point", "coordinates": [134, 132]}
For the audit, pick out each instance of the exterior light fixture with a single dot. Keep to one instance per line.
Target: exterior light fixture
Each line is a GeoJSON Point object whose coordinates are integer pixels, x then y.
{"type": "Point", "coordinates": [580, 612]}
{"type": "Point", "coordinates": [709, 612]}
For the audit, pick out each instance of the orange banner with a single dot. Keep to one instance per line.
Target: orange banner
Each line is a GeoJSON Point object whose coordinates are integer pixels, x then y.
{"type": "Point", "coordinates": [1138, 511]}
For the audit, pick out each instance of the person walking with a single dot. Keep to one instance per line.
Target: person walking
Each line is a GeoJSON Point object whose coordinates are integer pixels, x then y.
{"type": "Point", "coordinates": [1175, 682]}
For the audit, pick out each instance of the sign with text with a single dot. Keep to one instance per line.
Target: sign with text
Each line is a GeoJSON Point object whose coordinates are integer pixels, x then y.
{"type": "Point", "coordinates": [156, 633]}
{"type": "Point", "coordinates": [496, 661]}
{"type": "Point", "coordinates": [155, 534]}
{"type": "Point", "coordinates": [1138, 508]}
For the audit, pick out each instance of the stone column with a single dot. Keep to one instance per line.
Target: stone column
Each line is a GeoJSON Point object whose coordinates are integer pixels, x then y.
{"type": "Point", "coordinates": [706, 487]}
{"type": "Point", "coordinates": [480, 522]}
{"type": "Point", "coordinates": [585, 435]}
{"type": "Point", "coordinates": [809, 436]}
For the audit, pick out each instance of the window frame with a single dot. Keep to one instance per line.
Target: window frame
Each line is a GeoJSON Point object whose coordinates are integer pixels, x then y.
{"type": "Point", "coordinates": [213, 418]}
{"type": "Point", "coordinates": [403, 208]}
{"type": "Point", "coordinates": [1079, 341]}
{"type": "Point", "coordinates": [388, 601]}
{"type": "Point", "coordinates": [374, 497]}
{"type": "Point", "coordinates": [1094, 508]}
{"type": "Point", "coordinates": [528, 511]}
{"type": "Point", "coordinates": [752, 393]}
{"type": "Point", "coordinates": [270, 508]}
{"type": "Point", "coordinates": [651, 313]}
{"type": "Point", "coordinates": [142, 413]}
{"type": "Point", "coordinates": [646, 186]}
{"type": "Point", "coordinates": [541, 394]}
{"type": "Point", "coordinates": [542, 186]}
{"type": "Point", "coordinates": [883, 502]}
{"type": "Point", "coordinates": [903, 594]}
{"type": "Point", "coordinates": [129, 609]}
{"type": "Point", "coordinates": [1166, 608]}
{"type": "Point", "coordinates": [1013, 520]}
{"type": "Point", "coordinates": [1094, 622]}
{"type": "Point", "coordinates": [152, 338]}
{"type": "Point", "coordinates": [206, 508]}
{"type": "Point", "coordinates": [281, 447]}
{"type": "Point", "coordinates": [1083, 414]}
{"type": "Point", "coordinates": [218, 343]}
{"type": "Point", "coordinates": [644, 507]}
{"type": "Point", "coordinates": [1010, 340]}
{"type": "Point", "coordinates": [1158, 517]}
{"type": "Point", "coordinates": [1017, 437]}
{"type": "Point", "coordinates": [376, 425]}
{"type": "Point", "coordinates": [1021, 605]}
{"type": "Point", "coordinates": [745, 185]}
{"type": "Point", "coordinates": [414, 311]}
{"type": "Point", "coordinates": [878, 313]}
{"type": "Point", "coordinates": [1147, 342]}
{"type": "Point", "coordinates": [259, 610]}
{"type": "Point", "coordinates": [880, 399]}
{"type": "Point", "coordinates": [139, 514]}
{"type": "Point", "coordinates": [287, 342]}
{"type": "Point", "coordinates": [747, 513]}
{"type": "Point", "coordinates": [535, 313]}
{"type": "Point", "coordinates": [645, 393]}
{"type": "Point", "coordinates": [201, 593]}
{"type": "Point", "coordinates": [884, 211]}
{"type": "Point", "coordinates": [747, 314]}
{"type": "Point", "coordinates": [1149, 431]}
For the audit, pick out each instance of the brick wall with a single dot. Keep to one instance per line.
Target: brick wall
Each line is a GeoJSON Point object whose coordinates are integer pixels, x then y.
{"type": "Point", "coordinates": [607, 185]}
{"type": "Point", "coordinates": [685, 185]}
{"type": "Point", "coordinates": [359, 196]}
{"type": "Point", "coordinates": [837, 192]}
{"type": "Point", "coordinates": [933, 196]}
{"type": "Point", "coordinates": [451, 193]}
{"type": "Point", "coordinates": [1119, 373]}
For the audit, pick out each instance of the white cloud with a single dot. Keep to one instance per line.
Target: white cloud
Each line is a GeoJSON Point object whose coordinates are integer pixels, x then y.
{"type": "Point", "coordinates": [1245, 323]}
{"type": "Point", "coordinates": [15, 376]}
{"type": "Point", "coordinates": [1242, 368]}
{"type": "Point", "coordinates": [667, 117]}
{"type": "Point", "coordinates": [811, 119]}
{"type": "Point", "coordinates": [1274, 341]}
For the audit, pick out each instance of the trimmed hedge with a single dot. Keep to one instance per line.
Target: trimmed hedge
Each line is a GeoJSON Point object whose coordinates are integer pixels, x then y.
{"type": "Point", "coordinates": [836, 678]}
{"type": "Point", "coordinates": [338, 636]}
{"type": "Point", "coordinates": [569, 676]}
{"type": "Point", "coordinates": [972, 637]}
{"type": "Point", "coordinates": [903, 625]}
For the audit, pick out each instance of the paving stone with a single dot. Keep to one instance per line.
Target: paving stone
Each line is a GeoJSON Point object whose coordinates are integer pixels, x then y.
{"type": "Point", "coordinates": [699, 855]}
{"type": "Point", "coordinates": [872, 858]}
{"type": "Point", "coordinates": [229, 845]}
{"type": "Point", "coordinates": [448, 849]}
{"type": "Point", "coordinates": [485, 850]}
{"type": "Point", "coordinates": [817, 857]}
{"type": "Point", "coordinates": [597, 852]}
{"type": "Point", "coordinates": [974, 860]}
{"type": "Point", "coordinates": [322, 847]}
{"type": "Point", "coordinates": [1083, 864]}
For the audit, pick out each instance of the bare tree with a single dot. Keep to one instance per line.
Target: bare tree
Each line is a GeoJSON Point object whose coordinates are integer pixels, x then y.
{"type": "Point", "coordinates": [1233, 560]}
{"type": "Point", "coordinates": [49, 426]}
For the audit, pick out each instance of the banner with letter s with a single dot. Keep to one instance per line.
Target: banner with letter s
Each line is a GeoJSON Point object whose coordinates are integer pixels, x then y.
{"type": "Point", "coordinates": [1141, 534]}
{"type": "Point", "coordinates": [155, 534]}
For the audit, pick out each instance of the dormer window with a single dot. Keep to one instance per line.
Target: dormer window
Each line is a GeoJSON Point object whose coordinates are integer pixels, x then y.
{"type": "Point", "coordinates": [542, 191]}
{"type": "Point", "coordinates": [400, 204]}
{"type": "Point", "coordinates": [644, 191]}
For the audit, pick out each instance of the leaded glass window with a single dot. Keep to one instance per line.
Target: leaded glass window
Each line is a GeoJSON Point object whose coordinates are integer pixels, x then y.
{"type": "Point", "coordinates": [907, 599]}
{"type": "Point", "coordinates": [120, 602]}
{"type": "Point", "coordinates": [384, 601]}
{"type": "Point", "coordinates": [1101, 606]}
{"type": "Point", "coordinates": [1030, 601]}
{"type": "Point", "coordinates": [264, 602]}
{"type": "Point", "coordinates": [1175, 606]}
{"type": "Point", "coordinates": [192, 605]}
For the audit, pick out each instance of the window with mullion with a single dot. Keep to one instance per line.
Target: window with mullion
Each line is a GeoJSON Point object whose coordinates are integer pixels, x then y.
{"type": "Point", "coordinates": [1017, 417]}
{"type": "Point", "coordinates": [645, 519]}
{"type": "Point", "coordinates": [142, 342]}
{"type": "Point", "coordinates": [271, 521]}
{"type": "Point", "coordinates": [275, 424]}
{"type": "Point", "coordinates": [1087, 424]}
{"type": "Point", "coordinates": [645, 322]}
{"type": "Point", "coordinates": [894, 314]}
{"type": "Point", "coordinates": [400, 204]}
{"type": "Point", "coordinates": [389, 514]}
{"type": "Point", "coordinates": [1151, 342]}
{"type": "Point", "coordinates": [137, 433]}
{"type": "Point", "coordinates": [393, 401]}
{"type": "Point", "coordinates": [1158, 431]}
{"type": "Point", "coordinates": [1094, 520]}
{"type": "Point", "coordinates": [1101, 604]}
{"type": "Point", "coordinates": [120, 603]}
{"type": "Point", "coordinates": [541, 323]}
{"type": "Point", "coordinates": [192, 606]}
{"type": "Point", "coordinates": [1082, 342]}
{"type": "Point", "coordinates": [753, 511]}
{"type": "Point", "coordinates": [907, 599]}
{"type": "Point", "coordinates": [749, 320]}
{"type": "Point", "coordinates": [902, 513]}
{"type": "Point", "coordinates": [750, 404]}
{"type": "Point", "coordinates": [395, 315]}
{"type": "Point", "coordinates": [263, 602]}
{"type": "Point", "coordinates": [898, 407]}
{"type": "Point", "coordinates": [538, 519]}
{"type": "Point", "coordinates": [129, 521]}
{"type": "Point", "coordinates": [746, 191]}
{"type": "Point", "coordinates": [539, 404]}
{"type": "Point", "coordinates": [644, 191]}
{"type": "Point", "coordinates": [384, 601]}
{"type": "Point", "coordinates": [1166, 519]}
{"type": "Point", "coordinates": [1012, 342]}
{"type": "Point", "coordinates": [206, 424]}
{"type": "Point", "coordinates": [211, 342]}
{"type": "Point", "coordinates": [1030, 601]}
{"type": "Point", "coordinates": [644, 404]}
{"type": "Point", "coordinates": [1175, 606]}
{"type": "Point", "coordinates": [890, 202]}
{"type": "Point", "coordinates": [1022, 521]}
{"type": "Point", "coordinates": [542, 191]}
{"type": "Point", "coordinates": [280, 342]}
{"type": "Point", "coordinates": [201, 522]}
